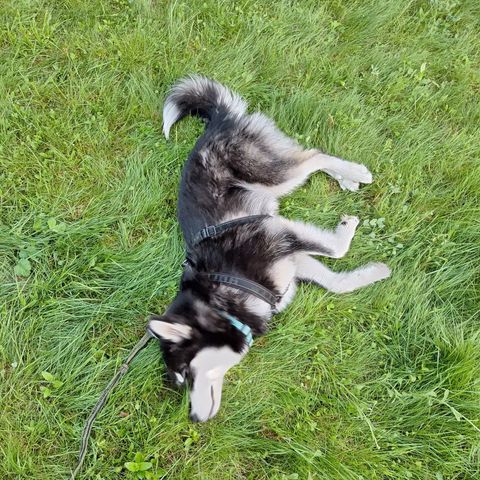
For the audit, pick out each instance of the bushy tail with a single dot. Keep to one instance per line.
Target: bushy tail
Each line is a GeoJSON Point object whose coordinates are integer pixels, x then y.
{"type": "Point", "coordinates": [197, 95]}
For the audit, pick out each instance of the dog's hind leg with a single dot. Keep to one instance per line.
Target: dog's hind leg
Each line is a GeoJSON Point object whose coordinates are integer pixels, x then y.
{"type": "Point", "coordinates": [317, 241]}
{"type": "Point", "coordinates": [286, 164]}
{"type": "Point", "coordinates": [349, 175]}
{"type": "Point", "coordinates": [311, 270]}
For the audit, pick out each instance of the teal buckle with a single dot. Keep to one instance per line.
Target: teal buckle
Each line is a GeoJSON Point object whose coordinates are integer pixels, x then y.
{"type": "Point", "coordinates": [245, 329]}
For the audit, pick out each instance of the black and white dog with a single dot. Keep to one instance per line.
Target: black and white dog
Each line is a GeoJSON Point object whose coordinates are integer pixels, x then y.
{"type": "Point", "coordinates": [243, 259]}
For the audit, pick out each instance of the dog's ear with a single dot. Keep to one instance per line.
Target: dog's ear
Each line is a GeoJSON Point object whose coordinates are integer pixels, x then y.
{"type": "Point", "coordinates": [166, 329]}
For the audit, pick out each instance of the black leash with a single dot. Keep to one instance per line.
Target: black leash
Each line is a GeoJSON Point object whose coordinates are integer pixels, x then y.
{"type": "Point", "coordinates": [103, 398]}
{"type": "Point", "coordinates": [241, 283]}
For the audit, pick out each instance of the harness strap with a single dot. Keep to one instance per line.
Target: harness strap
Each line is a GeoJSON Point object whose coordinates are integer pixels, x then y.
{"type": "Point", "coordinates": [240, 283]}
{"type": "Point", "coordinates": [247, 286]}
{"type": "Point", "coordinates": [214, 230]}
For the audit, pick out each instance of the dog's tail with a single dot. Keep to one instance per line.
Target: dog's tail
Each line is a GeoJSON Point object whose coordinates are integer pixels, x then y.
{"type": "Point", "coordinates": [197, 95]}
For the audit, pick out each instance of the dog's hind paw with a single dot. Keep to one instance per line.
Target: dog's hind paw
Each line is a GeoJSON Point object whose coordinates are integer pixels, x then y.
{"type": "Point", "coordinates": [350, 175]}
{"type": "Point", "coordinates": [356, 172]}
{"type": "Point", "coordinates": [348, 184]}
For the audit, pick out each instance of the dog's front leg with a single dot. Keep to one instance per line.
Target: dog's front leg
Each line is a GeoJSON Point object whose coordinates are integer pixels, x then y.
{"type": "Point", "coordinates": [317, 241]}
{"type": "Point", "coordinates": [311, 270]}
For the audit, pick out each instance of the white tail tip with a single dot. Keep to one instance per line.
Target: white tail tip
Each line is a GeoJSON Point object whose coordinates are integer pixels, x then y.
{"type": "Point", "coordinates": [170, 116]}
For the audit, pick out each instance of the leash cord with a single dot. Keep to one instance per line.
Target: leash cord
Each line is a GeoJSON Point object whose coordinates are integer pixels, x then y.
{"type": "Point", "coordinates": [102, 400]}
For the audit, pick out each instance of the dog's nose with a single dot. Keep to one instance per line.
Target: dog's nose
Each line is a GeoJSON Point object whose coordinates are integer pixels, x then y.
{"type": "Point", "coordinates": [194, 417]}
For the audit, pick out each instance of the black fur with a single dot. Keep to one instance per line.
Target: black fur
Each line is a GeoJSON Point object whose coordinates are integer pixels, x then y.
{"type": "Point", "coordinates": [230, 151]}
{"type": "Point", "coordinates": [240, 167]}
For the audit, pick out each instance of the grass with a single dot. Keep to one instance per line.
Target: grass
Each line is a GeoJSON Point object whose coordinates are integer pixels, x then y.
{"type": "Point", "coordinates": [383, 383]}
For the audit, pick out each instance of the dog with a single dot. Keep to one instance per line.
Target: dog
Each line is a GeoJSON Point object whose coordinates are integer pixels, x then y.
{"type": "Point", "coordinates": [244, 260]}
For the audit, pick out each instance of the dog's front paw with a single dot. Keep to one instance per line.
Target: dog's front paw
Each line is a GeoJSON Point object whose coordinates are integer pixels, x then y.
{"type": "Point", "coordinates": [379, 271]}
{"type": "Point", "coordinates": [349, 222]}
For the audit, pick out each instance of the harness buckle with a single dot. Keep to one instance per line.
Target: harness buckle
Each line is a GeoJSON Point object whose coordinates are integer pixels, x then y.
{"type": "Point", "coordinates": [209, 232]}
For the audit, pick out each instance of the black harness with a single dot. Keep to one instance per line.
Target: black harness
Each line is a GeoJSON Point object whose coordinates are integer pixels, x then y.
{"type": "Point", "coordinates": [240, 283]}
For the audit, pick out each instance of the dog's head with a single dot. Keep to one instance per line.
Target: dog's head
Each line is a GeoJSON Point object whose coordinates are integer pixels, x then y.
{"type": "Point", "coordinates": [199, 346]}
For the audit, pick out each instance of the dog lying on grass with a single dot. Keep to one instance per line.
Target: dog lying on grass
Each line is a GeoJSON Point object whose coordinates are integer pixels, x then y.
{"type": "Point", "coordinates": [243, 259]}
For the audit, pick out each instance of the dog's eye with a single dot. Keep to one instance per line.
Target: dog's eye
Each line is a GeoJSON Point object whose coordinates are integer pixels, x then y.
{"type": "Point", "coordinates": [182, 375]}
{"type": "Point", "coordinates": [180, 378]}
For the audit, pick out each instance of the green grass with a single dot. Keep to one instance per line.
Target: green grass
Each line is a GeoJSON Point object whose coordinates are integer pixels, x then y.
{"type": "Point", "coordinates": [383, 383]}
